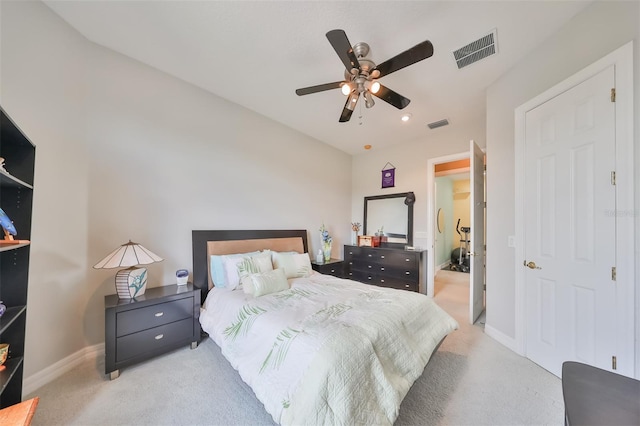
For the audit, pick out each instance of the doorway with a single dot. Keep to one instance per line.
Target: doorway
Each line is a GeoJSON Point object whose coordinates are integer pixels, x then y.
{"type": "Point", "coordinates": [458, 179]}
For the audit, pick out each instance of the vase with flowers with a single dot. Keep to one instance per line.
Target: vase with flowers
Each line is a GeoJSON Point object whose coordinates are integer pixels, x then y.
{"type": "Point", "coordinates": [326, 243]}
{"type": "Point", "coordinates": [355, 227]}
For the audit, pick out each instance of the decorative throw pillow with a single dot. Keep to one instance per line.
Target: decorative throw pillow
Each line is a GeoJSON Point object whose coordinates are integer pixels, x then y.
{"type": "Point", "coordinates": [230, 265]}
{"type": "Point", "coordinates": [295, 264]}
{"type": "Point", "coordinates": [269, 282]}
{"type": "Point", "coordinates": [218, 275]}
{"type": "Point", "coordinates": [253, 265]}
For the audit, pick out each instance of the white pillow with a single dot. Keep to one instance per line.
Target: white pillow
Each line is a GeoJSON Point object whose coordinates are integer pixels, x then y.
{"type": "Point", "coordinates": [295, 264]}
{"type": "Point", "coordinates": [230, 267]}
{"type": "Point", "coordinates": [269, 282]}
{"type": "Point", "coordinates": [217, 267]}
{"type": "Point", "coordinates": [253, 265]}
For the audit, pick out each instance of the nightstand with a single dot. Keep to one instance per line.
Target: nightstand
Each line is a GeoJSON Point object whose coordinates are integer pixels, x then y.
{"type": "Point", "coordinates": [333, 267]}
{"type": "Point", "coordinates": [162, 319]}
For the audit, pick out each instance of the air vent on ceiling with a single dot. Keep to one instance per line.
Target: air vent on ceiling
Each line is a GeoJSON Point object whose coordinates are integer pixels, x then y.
{"type": "Point", "coordinates": [476, 50]}
{"type": "Point", "coordinates": [439, 123]}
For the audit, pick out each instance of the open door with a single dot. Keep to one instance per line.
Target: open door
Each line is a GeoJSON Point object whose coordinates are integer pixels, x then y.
{"type": "Point", "coordinates": [476, 247]}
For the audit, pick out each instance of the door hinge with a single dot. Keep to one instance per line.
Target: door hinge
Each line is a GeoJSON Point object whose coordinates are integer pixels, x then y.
{"type": "Point", "coordinates": [614, 363]}
{"type": "Point", "coordinates": [613, 273]}
{"type": "Point", "coordinates": [613, 94]}
{"type": "Point", "coordinates": [613, 178]}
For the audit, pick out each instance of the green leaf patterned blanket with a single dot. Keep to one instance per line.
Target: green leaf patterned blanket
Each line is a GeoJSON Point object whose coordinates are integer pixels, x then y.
{"type": "Point", "coordinates": [327, 350]}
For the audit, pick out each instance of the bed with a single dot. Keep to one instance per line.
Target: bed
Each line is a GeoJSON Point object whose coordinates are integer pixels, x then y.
{"type": "Point", "coordinates": [320, 350]}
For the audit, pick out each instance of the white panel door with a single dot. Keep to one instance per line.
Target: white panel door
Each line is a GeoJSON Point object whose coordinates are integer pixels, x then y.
{"type": "Point", "coordinates": [569, 236]}
{"type": "Point", "coordinates": [476, 260]}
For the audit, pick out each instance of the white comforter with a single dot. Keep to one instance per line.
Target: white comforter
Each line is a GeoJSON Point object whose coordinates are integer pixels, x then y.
{"type": "Point", "coordinates": [327, 351]}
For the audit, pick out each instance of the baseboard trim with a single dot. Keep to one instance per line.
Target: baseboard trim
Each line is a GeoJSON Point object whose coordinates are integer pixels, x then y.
{"type": "Point", "coordinates": [501, 338]}
{"type": "Point", "coordinates": [41, 378]}
{"type": "Point", "coordinates": [444, 265]}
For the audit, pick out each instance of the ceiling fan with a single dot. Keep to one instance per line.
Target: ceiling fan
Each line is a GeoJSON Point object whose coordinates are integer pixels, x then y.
{"type": "Point", "coordinates": [361, 73]}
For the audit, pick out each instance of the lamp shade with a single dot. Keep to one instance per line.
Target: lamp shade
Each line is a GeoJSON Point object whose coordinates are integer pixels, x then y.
{"type": "Point", "coordinates": [129, 254]}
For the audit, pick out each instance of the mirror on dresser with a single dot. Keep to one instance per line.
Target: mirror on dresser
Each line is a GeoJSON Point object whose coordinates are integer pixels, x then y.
{"type": "Point", "coordinates": [394, 214]}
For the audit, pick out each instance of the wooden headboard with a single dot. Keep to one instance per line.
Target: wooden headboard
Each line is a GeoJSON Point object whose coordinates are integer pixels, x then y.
{"type": "Point", "coordinates": [206, 243]}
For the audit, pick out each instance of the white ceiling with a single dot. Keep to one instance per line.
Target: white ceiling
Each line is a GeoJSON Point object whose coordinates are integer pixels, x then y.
{"type": "Point", "coordinates": [257, 53]}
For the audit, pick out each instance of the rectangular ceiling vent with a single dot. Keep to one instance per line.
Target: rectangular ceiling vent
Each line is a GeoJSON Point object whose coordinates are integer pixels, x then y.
{"type": "Point", "coordinates": [439, 123]}
{"type": "Point", "coordinates": [476, 50]}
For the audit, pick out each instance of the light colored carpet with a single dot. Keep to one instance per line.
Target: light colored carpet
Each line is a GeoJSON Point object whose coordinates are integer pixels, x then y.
{"type": "Point", "coordinates": [471, 380]}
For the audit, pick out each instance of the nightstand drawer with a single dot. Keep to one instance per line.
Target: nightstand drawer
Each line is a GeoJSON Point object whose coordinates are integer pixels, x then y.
{"type": "Point", "coordinates": [331, 269]}
{"type": "Point", "coordinates": [153, 316]}
{"type": "Point", "coordinates": [152, 339]}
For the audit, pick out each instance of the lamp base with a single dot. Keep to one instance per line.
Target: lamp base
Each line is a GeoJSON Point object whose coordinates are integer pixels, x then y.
{"type": "Point", "coordinates": [131, 282]}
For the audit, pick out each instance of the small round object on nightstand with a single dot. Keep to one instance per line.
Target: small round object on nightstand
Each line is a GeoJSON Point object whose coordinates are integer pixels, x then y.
{"type": "Point", "coordinates": [3, 309]}
{"type": "Point", "coordinates": [182, 276]}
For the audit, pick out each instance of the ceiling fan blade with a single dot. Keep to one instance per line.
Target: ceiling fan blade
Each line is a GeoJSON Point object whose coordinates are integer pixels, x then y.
{"type": "Point", "coordinates": [391, 97]}
{"type": "Point", "coordinates": [349, 106]}
{"type": "Point", "coordinates": [417, 53]}
{"type": "Point", "coordinates": [319, 88]}
{"type": "Point", "coordinates": [342, 46]}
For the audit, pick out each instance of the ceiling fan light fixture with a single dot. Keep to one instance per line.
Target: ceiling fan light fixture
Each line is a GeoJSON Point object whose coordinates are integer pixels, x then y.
{"type": "Point", "coordinates": [406, 117]}
{"type": "Point", "coordinates": [346, 89]}
{"type": "Point", "coordinates": [353, 98]}
{"type": "Point", "coordinates": [368, 100]}
{"type": "Point", "coordinates": [374, 87]}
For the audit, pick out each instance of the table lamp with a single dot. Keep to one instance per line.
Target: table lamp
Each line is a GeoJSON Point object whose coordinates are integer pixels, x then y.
{"type": "Point", "coordinates": [130, 282]}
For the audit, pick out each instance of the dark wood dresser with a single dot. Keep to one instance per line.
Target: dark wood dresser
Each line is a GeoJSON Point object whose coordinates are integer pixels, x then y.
{"type": "Point", "coordinates": [387, 267]}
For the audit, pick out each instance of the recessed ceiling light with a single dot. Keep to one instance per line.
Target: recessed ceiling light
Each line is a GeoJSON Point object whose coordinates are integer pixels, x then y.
{"type": "Point", "coordinates": [406, 117]}
{"type": "Point", "coordinates": [367, 146]}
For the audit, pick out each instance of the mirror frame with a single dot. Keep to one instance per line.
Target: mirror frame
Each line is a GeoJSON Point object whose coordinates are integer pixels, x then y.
{"type": "Point", "coordinates": [409, 214]}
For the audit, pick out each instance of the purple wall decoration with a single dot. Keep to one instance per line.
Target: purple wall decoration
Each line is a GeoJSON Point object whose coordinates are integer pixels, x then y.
{"type": "Point", "coordinates": [388, 176]}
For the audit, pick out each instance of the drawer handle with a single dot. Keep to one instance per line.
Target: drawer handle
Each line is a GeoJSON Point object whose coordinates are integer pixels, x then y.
{"type": "Point", "coordinates": [382, 257]}
{"type": "Point", "coordinates": [159, 336]}
{"type": "Point", "coordinates": [368, 278]}
{"type": "Point", "coordinates": [381, 281]}
{"type": "Point", "coordinates": [407, 273]}
{"type": "Point", "coordinates": [369, 266]}
{"type": "Point", "coordinates": [159, 314]}
{"type": "Point", "coordinates": [333, 270]}
{"type": "Point", "coordinates": [406, 285]}
{"type": "Point", "coordinates": [369, 255]}
{"type": "Point", "coordinates": [350, 273]}
{"type": "Point", "coordinates": [408, 260]}
{"type": "Point", "coordinates": [382, 269]}
{"type": "Point", "coordinates": [350, 263]}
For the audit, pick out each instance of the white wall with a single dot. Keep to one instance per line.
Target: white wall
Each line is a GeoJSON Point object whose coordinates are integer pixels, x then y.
{"type": "Point", "coordinates": [598, 30]}
{"type": "Point", "coordinates": [124, 151]}
{"type": "Point", "coordinates": [410, 161]}
{"type": "Point", "coordinates": [43, 88]}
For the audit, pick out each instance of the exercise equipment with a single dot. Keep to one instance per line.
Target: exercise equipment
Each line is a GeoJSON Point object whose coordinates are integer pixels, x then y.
{"type": "Point", "coordinates": [460, 255]}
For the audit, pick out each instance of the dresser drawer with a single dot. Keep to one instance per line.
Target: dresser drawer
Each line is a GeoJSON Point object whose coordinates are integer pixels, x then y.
{"type": "Point", "coordinates": [400, 259]}
{"type": "Point", "coordinates": [152, 339]}
{"type": "Point", "coordinates": [405, 274]}
{"type": "Point", "coordinates": [135, 320]}
{"type": "Point", "coordinates": [383, 281]}
{"type": "Point", "coordinates": [400, 284]}
{"type": "Point", "coordinates": [353, 251]}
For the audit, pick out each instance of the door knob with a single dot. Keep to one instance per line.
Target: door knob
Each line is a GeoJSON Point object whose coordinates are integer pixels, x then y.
{"type": "Point", "coordinates": [531, 265]}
